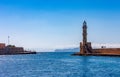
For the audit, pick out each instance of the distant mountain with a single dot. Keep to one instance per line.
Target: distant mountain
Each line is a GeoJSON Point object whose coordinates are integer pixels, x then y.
{"type": "Point", "coordinates": [68, 50]}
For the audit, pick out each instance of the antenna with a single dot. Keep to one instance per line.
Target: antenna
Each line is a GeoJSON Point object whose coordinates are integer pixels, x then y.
{"type": "Point", "coordinates": [8, 40]}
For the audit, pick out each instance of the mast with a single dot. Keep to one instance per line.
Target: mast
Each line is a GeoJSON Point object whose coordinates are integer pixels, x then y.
{"type": "Point", "coordinates": [8, 40]}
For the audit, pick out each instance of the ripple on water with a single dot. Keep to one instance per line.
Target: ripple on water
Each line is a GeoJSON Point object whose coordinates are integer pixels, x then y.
{"type": "Point", "coordinates": [58, 64]}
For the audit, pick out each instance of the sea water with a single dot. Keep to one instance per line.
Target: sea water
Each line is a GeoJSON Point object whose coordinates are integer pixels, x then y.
{"type": "Point", "coordinates": [58, 64]}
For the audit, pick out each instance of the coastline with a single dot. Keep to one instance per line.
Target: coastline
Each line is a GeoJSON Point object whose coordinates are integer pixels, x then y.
{"type": "Point", "coordinates": [19, 53]}
{"type": "Point", "coordinates": [96, 54]}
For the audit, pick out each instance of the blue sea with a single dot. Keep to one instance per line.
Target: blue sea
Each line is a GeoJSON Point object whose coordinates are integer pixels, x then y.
{"type": "Point", "coordinates": [58, 64]}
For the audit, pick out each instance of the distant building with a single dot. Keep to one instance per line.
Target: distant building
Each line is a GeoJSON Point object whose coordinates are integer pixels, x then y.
{"type": "Point", "coordinates": [12, 49]}
{"type": "Point", "coordinates": [2, 45]}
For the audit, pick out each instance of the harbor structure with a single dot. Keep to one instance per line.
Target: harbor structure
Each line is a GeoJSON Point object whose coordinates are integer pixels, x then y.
{"type": "Point", "coordinates": [86, 48]}
{"type": "Point", "coordinates": [12, 49]}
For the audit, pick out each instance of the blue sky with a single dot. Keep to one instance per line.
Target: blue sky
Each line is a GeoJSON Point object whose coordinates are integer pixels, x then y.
{"type": "Point", "coordinates": [51, 24]}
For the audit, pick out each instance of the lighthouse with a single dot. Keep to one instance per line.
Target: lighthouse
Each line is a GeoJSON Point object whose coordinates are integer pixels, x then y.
{"type": "Point", "coordinates": [85, 47]}
{"type": "Point", "coordinates": [84, 33]}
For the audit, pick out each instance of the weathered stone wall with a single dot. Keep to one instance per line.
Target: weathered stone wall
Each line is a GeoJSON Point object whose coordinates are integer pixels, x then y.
{"type": "Point", "coordinates": [107, 50]}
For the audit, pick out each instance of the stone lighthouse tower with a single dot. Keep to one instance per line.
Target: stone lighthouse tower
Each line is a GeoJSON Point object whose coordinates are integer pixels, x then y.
{"type": "Point", "coordinates": [84, 33]}
{"type": "Point", "coordinates": [85, 47]}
